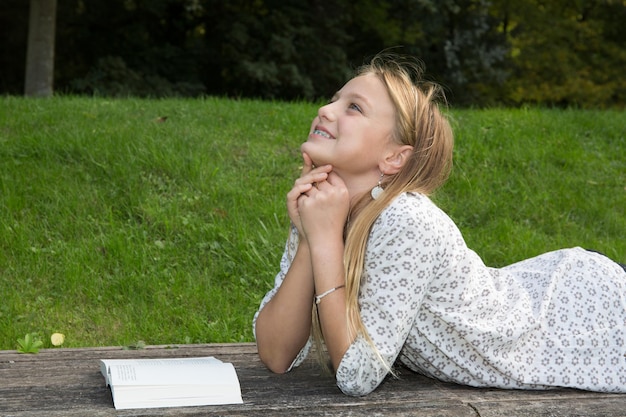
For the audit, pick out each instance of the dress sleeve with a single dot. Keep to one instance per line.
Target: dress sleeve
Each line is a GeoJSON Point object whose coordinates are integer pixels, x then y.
{"type": "Point", "coordinates": [285, 263]}
{"type": "Point", "coordinates": [399, 265]}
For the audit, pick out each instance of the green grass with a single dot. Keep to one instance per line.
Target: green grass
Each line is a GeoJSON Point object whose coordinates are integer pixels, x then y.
{"type": "Point", "coordinates": [117, 227]}
{"type": "Point", "coordinates": [529, 181]}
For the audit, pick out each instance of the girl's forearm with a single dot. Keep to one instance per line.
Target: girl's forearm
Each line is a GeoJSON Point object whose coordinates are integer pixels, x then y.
{"type": "Point", "coordinates": [328, 272]}
{"type": "Point", "coordinates": [283, 326]}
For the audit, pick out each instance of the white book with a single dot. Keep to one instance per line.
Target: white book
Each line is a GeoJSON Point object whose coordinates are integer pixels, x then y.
{"type": "Point", "coordinates": [180, 382]}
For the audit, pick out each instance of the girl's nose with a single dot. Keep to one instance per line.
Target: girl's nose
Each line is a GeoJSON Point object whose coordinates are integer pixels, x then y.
{"type": "Point", "coordinates": [326, 112]}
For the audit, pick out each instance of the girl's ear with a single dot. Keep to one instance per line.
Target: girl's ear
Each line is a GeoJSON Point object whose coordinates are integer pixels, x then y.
{"type": "Point", "coordinates": [395, 160]}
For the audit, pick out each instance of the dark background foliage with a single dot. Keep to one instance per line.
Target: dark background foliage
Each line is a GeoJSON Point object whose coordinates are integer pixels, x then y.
{"type": "Point", "coordinates": [499, 52]}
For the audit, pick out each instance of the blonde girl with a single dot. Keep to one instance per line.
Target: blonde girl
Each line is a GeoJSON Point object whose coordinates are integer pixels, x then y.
{"type": "Point", "coordinates": [389, 278]}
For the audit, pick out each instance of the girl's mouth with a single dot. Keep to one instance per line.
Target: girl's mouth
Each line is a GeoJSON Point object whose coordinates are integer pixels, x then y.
{"type": "Point", "coordinates": [322, 133]}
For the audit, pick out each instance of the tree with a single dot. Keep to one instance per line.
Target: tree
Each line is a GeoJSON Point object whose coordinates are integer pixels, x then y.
{"type": "Point", "coordinates": [40, 51]}
{"type": "Point", "coordinates": [566, 53]}
{"type": "Point", "coordinates": [458, 40]}
{"type": "Point", "coordinates": [286, 49]}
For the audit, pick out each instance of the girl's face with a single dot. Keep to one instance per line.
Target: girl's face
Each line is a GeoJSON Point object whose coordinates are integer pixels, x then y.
{"type": "Point", "coordinates": [353, 131]}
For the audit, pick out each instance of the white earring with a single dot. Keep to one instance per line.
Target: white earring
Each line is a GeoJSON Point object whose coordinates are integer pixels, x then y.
{"type": "Point", "coordinates": [378, 190]}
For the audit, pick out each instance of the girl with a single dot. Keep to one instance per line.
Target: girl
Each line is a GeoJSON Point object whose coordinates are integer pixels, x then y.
{"type": "Point", "coordinates": [389, 277]}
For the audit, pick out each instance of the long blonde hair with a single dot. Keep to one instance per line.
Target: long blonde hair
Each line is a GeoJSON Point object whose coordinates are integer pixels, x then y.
{"type": "Point", "coordinates": [420, 124]}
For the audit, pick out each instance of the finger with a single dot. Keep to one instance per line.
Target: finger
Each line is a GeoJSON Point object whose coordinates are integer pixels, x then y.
{"type": "Point", "coordinates": [330, 181]}
{"type": "Point", "coordinates": [313, 177]}
{"type": "Point", "coordinates": [334, 179]}
{"type": "Point", "coordinates": [307, 165]}
{"type": "Point", "coordinates": [298, 189]}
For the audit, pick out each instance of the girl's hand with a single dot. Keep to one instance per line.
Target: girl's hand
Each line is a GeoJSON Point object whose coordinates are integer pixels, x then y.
{"type": "Point", "coordinates": [308, 178]}
{"type": "Point", "coordinates": [324, 209]}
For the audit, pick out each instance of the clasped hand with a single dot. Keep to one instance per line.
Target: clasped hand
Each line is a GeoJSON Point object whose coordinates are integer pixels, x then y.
{"type": "Point", "coordinates": [318, 203]}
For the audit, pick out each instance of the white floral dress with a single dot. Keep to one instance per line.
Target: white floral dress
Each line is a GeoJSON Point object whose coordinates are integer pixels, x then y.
{"type": "Point", "coordinates": [429, 302]}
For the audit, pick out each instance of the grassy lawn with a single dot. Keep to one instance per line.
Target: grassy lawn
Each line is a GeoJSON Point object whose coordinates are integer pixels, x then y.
{"type": "Point", "coordinates": [163, 221]}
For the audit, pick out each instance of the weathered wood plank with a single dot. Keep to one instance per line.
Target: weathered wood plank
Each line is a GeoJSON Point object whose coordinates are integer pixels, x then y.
{"type": "Point", "coordinates": [67, 382]}
{"type": "Point", "coordinates": [592, 406]}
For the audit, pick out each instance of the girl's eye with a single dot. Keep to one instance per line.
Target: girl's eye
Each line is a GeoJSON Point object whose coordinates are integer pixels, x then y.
{"type": "Point", "coordinates": [356, 107]}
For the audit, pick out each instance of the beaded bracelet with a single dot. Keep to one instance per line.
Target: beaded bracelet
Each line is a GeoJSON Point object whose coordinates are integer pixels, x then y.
{"type": "Point", "coordinates": [318, 298]}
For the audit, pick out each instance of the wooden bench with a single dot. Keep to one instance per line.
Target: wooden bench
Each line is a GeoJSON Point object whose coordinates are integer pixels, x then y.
{"type": "Point", "coordinates": [67, 382]}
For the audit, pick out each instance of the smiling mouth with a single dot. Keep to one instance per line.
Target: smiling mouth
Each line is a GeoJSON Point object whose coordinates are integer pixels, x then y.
{"type": "Point", "coordinates": [321, 133]}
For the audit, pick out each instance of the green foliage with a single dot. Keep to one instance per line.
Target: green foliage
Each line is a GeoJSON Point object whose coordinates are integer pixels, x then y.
{"type": "Point", "coordinates": [278, 49]}
{"type": "Point", "coordinates": [140, 344]}
{"type": "Point", "coordinates": [29, 344]}
{"type": "Point", "coordinates": [577, 60]}
{"type": "Point", "coordinates": [458, 40]}
{"type": "Point", "coordinates": [111, 77]}
{"type": "Point", "coordinates": [485, 52]}
{"type": "Point", "coordinates": [163, 221]}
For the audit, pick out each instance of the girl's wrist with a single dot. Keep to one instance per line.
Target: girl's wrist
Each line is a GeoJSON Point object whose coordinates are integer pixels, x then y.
{"type": "Point", "coordinates": [325, 238]}
{"type": "Point", "coordinates": [326, 250]}
{"type": "Point", "coordinates": [318, 297]}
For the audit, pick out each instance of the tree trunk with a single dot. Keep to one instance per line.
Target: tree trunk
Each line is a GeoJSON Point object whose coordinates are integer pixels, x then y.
{"type": "Point", "coordinates": [40, 52]}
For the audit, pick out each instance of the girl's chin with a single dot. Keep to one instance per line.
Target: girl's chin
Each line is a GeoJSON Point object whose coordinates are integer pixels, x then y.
{"type": "Point", "coordinates": [318, 162]}
{"type": "Point", "coordinates": [317, 159]}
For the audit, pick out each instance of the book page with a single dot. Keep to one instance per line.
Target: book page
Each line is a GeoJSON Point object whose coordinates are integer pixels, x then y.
{"type": "Point", "coordinates": [167, 371]}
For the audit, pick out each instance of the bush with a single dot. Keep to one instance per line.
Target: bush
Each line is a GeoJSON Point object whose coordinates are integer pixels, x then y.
{"type": "Point", "coordinates": [111, 77]}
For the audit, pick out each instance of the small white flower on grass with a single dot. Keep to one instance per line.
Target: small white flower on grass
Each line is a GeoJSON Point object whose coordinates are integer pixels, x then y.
{"type": "Point", "coordinates": [57, 339]}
